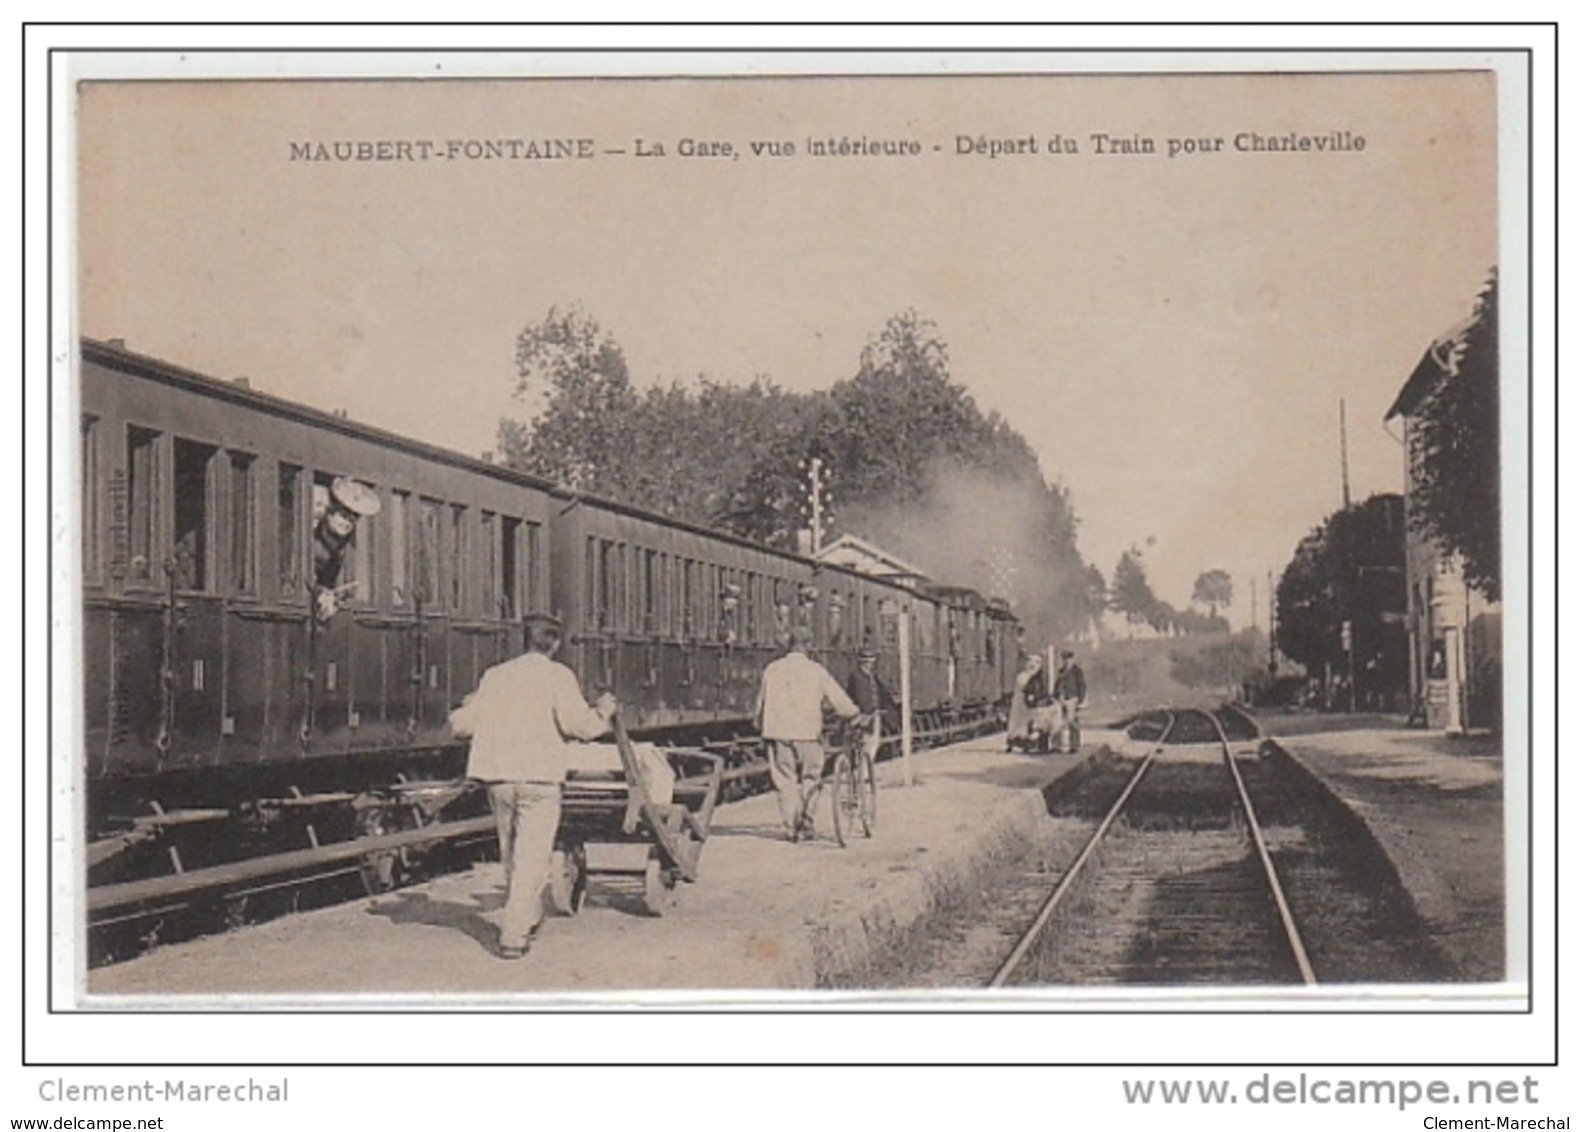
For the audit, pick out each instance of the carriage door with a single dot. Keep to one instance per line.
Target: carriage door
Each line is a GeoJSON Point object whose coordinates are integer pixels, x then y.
{"type": "Point", "coordinates": [330, 666]}
{"type": "Point", "coordinates": [195, 606]}
{"type": "Point", "coordinates": [431, 667]}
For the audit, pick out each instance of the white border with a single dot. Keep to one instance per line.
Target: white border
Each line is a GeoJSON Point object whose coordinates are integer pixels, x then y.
{"type": "Point", "coordinates": [788, 1035]}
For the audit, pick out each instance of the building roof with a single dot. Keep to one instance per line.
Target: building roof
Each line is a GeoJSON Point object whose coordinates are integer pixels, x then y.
{"type": "Point", "coordinates": [858, 554]}
{"type": "Point", "coordinates": [1441, 360]}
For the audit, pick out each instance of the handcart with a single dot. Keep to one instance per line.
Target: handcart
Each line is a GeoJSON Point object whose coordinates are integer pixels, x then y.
{"type": "Point", "coordinates": [1032, 729]}
{"type": "Point", "coordinates": [618, 812]}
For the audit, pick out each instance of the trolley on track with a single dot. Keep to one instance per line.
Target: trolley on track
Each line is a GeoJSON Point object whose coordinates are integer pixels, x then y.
{"type": "Point", "coordinates": [628, 808]}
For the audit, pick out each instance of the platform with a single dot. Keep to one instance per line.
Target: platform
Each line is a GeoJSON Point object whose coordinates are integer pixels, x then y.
{"type": "Point", "coordinates": [768, 915]}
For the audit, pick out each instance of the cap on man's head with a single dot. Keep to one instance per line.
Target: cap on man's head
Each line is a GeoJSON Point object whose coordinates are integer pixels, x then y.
{"type": "Point", "coordinates": [547, 620]}
{"type": "Point", "coordinates": [800, 637]}
{"type": "Point", "coordinates": [1067, 655]}
{"type": "Point", "coordinates": [354, 496]}
{"type": "Point", "coordinates": [867, 653]}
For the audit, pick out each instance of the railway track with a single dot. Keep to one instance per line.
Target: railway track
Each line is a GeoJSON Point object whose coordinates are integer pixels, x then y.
{"type": "Point", "coordinates": [1195, 853]}
{"type": "Point", "coordinates": [1175, 886]}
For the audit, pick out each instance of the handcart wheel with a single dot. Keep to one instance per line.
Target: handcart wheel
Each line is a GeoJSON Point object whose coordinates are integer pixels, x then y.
{"type": "Point", "coordinates": [567, 881]}
{"type": "Point", "coordinates": [658, 886]}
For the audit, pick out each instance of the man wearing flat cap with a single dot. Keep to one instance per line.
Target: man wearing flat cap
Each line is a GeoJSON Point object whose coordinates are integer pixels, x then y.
{"type": "Point", "coordinates": [1070, 690]}
{"type": "Point", "coordinates": [879, 709]}
{"type": "Point", "coordinates": [790, 704]}
{"type": "Point", "coordinates": [521, 720]}
{"type": "Point", "coordinates": [334, 531]}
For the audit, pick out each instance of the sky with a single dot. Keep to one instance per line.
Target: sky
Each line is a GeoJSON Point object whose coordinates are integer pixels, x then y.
{"type": "Point", "coordinates": [1174, 335]}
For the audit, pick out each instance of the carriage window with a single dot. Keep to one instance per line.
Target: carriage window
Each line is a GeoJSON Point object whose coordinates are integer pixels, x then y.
{"type": "Point", "coordinates": [91, 546]}
{"type": "Point", "coordinates": [359, 563]}
{"type": "Point", "coordinates": [400, 583]}
{"type": "Point", "coordinates": [192, 526]}
{"type": "Point", "coordinates": [688, 598]}
{"type": "Point", "coordinates": [510, 568]}
{"type": "Point", "coordinates": [243, 543]}
{"type": "Point", "coordinates": [430, 520]}
{"type": "Point", "coordinates": [488, 592]}
{"type": "Point", "coordinates": [605, 584]}
{"type": "Point", "coordinates": [650, 580]}
{"type": "Point", "coordinates": [142, 487]}
{"type": "Point", "coordinates": [288, 509]}
{"type": "Point", "coordinates": [749, 632]}
{"type": "Point", "coordinates": [457, 560]}
{"type": "Point", "coordinates": [531, 556]}
{"type": "Point", "coordinates": [622, 588]}
{"type": "Point", "coordinates": [666, 596]}
{"type": "Point", "coordinates": [638, 590]}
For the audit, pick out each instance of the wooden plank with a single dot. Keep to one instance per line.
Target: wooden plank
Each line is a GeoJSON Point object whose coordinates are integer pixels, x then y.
{"type": "Point", "coordinates": [116, 896]}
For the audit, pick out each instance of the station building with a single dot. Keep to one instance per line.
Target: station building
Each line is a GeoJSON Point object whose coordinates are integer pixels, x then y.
{"type": "Point", "coordinates": [1455, 632]}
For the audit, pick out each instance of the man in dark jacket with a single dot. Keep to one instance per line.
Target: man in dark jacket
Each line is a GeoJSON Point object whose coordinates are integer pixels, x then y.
{"type": "Point", "coordinates": [873, 699]}
{"type": "Point", "coordinates": [1070, 690]}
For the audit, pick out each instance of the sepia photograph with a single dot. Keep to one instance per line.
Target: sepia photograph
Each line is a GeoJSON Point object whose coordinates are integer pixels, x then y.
{"type": "Point", "coordinates": [1012, 534]}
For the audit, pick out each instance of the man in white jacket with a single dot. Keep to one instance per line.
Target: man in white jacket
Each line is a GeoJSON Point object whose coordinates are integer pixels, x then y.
{"type": "Point", "coordinates": [521, 719]}
{"type": "Point", "coordinates": [790, 714]}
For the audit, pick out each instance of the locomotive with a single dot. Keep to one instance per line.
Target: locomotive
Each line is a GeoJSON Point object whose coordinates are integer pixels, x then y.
{"type": "Point", "coordinates": [226, 720]}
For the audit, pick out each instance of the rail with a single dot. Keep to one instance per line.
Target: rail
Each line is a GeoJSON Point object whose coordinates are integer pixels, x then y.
{"type": "Point", "coordinates": [1286, 916]}
{"type": "Point", "coordinates": [1039, 923]}
{"type": "Point", "coordinates": [1057, 898]}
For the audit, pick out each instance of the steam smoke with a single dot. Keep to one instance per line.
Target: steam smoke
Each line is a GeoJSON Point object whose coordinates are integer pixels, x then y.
{"type": "Point", "coordinates": [1002, 536]}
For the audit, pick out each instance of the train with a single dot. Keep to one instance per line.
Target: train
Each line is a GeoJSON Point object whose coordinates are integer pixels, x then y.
{"type": "Point", "coordinates": [224, 718]}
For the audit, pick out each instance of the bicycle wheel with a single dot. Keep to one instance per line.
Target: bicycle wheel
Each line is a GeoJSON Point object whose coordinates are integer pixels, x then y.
{"type": "Point", "coordinates": [842, 794]}
{"type": "Point", "coordinates": [865, 778]}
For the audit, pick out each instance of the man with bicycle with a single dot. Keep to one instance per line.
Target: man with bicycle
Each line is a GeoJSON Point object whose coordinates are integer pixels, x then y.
{"type": "Point", "coordinates": [879, 709]}
{"type": "Point", "coordinates": [790, 703]}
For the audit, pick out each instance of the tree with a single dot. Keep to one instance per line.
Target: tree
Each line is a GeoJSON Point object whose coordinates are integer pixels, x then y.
{"type": "Point", "coordinates": [1130, 593]}
{"type": "Point", "coordinates": [1349, 569]}
{"type": "Point", "coordinates": [1454, 496]}
{"type": "Point", "coordinates": [912, 462]}
{"type": "Point", "coordinates": [679, 450]}
{"type": "Point", "coordinates": [573, 375]}
{"type": "Point", "coordinates": [1214, 588]}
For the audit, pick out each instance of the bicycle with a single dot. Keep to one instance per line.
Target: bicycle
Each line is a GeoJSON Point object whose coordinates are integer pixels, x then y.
{"type": "Point", "coordinates": [854, 786]}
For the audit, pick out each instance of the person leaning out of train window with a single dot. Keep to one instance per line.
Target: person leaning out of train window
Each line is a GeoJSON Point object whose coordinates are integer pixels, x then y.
{"type": "Point", "coordinates": [522, 720]}
{"type": "Point", "coordinates": [336, 513]}
{"type": "Point", "coordinates": [871, 695]}
{"type": "Point", "coordinates": [790, 701]}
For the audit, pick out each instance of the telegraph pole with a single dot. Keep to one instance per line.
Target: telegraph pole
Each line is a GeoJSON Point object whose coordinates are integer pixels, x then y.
{"type": "Point", "coordinates": [815, 490]}
{"type": "Point", "coordinates": [1344, 454]}
{"type": "Point", "coordinates": [1272, 628]}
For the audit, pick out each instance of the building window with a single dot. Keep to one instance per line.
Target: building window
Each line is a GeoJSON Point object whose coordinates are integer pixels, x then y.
{"type": "Point", "coordinates": [289, 523]}
{"type": "Point", "coordinates": [243, 549]}
{"type": "Point", "coordinates": [142, 494]}
{"type": "Point", "coordinates": [193, 528]}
